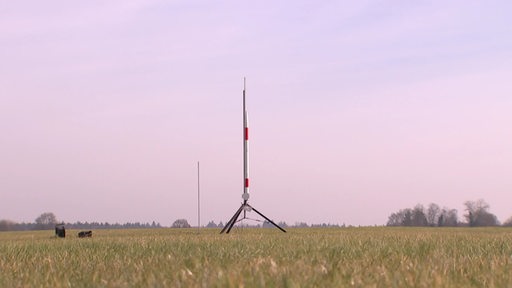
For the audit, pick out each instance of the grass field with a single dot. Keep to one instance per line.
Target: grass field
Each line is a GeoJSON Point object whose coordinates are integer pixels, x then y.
{"type": "Point", "coordinates": [345, 257]}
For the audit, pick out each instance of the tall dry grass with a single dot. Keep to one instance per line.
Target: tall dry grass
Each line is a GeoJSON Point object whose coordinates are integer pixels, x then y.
{"type": "Point", "coordinates": [348, 257]}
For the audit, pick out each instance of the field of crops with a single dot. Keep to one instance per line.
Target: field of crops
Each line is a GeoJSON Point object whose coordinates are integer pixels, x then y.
{"type": "Point", "coordinates": [359, 257]}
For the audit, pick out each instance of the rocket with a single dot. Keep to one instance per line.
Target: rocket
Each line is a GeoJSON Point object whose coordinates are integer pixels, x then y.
{"type": "Point", "coordinates": [245, 207]}
{"type": "Point", "coordinates": [245, 195]}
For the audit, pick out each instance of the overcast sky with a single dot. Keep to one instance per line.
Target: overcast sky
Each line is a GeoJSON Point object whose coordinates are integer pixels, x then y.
{"type": "Point", "coordinates": [356, 108]}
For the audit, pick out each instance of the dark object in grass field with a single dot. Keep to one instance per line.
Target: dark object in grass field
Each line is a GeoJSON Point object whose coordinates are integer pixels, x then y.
{"type": "Point", "coordinates": [60, 231]}
{"type": "Point", "coordinates": [84, 234]}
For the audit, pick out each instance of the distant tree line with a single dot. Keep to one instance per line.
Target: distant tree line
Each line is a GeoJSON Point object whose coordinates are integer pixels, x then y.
{"type": "Point", "coordinates": [266, 224]}
{"type": "Point", "coordinates": [48, 220]}
{"type": "Point", "coordinates": [477, 214]}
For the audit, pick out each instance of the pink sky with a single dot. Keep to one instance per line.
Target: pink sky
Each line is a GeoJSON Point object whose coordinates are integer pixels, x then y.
{"type": "Point", "coordinates": [357, 108]}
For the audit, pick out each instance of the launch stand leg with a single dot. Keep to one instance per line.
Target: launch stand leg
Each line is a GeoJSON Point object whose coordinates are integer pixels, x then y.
{"type": "Point", "coordinates": [277, 226]}
{"type": "Point", "coordinates": [234, 219]}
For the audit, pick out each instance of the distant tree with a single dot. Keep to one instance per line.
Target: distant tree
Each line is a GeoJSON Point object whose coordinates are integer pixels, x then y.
{"type": "Point", "coordinates": [180, 223]}
{"type": "Point", "coordinates": [401, 218]}
{"type": "Point", "coordinates": [508, 222]}
{"type": "Point", "coordinates": [407, 217]}
{"type": "Point", "coordinates": [440, 220]}
{"type": "Point", "coordinates": [267, 224]}
{"type": "Point", "coordinates": [418, 216]}
{"type": "Point", "coordinates": [7, 225]}
{"type": "Point", "coordinates": [448, 218]}
{"type": "Point", "coordinates": [395, 219]}
{"type": "Point", "coordinates": [452, 218]}
{"type": "Point", "coordinates": [433, 213]}
{"type": "Point", "coordinates": [211, 224]}
{"type": "Point", "coordinates": [301, 225]}
{"type": "Point", "coordinates": [477, 214]}
{"type": "Point", "coordinates": [46, 221]}
{"type": "Point", "coordinates": [487, 219]}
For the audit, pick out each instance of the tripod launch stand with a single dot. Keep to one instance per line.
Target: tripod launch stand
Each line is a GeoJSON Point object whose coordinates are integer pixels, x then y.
{"type": "Point", "coordinates": [245, 196]}
{"type": "Point", "coordinates": [245, 208]}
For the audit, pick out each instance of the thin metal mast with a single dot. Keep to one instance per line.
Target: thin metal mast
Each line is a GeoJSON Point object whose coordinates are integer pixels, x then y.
{"type": "Point", "coordinates": [198, 200]}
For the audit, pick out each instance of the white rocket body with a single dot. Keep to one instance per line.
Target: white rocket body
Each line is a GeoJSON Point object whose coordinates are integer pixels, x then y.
{"type": "Point", "coordinates": [245, 195]}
